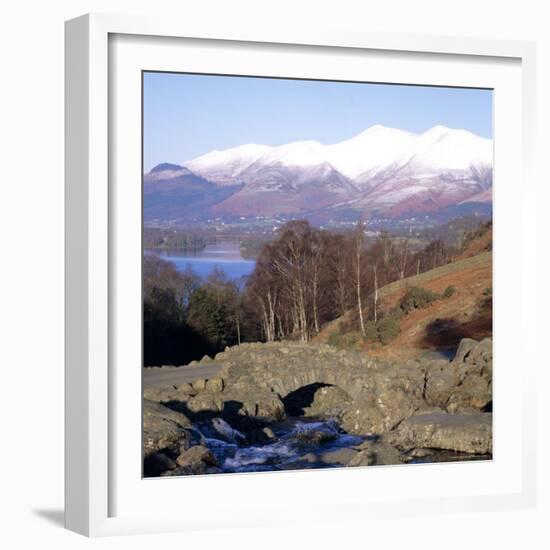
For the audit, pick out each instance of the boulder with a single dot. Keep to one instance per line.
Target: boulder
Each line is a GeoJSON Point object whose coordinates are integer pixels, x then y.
{"type": "Point", "coordinates": [186, 389]}
{"type": "Point", "coordinates": [214, 385]}
{"type": "Point", "coordinates": [420, 453]}
{"type": "Point", "coordinates": [261, 435]}
{"type": "Point", "coordinates": [481, 354]}
{"type": "Point", "coordinates": [465, 383]}
{"type": "Point", "coordinates": [441, 379]}
{"type": "Point", "coordinates": [362, 458]}
{"type": "Point", "coordinates": [205, 402]}
{"type": "Point", "coordinates": [199, 385]}
{"type": "Point", "coordinates": [314, 434]}
{"type": "Point", "coordinates": [467, 433]}
{"type": "Point", "coordinates": [475, 391]}
{"type": "Point", "coordinates": [381, 452]}
{"type": "Point", "coordinates": [156, 463]}
{"type": "Point", "coordinates": [328, 401]}
{"type": "Point", "coordinates": [261, 404]}
{"type": "Point", "coordinates": [165, 394]}
{"type": "Point", "coordinates": [196, 459]}
{"type": "Point", "coordinates": [466, 345]}
{"type": "Point", "coordinates": [340, 456]}
{"type": "Point", "coordinates": [389, 397]}
{"type": "Point", "coordinates": [164, 431]}
{"type": "Point", "coordinates": [229, 434]}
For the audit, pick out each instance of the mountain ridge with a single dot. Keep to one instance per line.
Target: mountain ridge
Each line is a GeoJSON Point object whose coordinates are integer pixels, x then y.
{"type": "Point", "coordinates": [381, 170]}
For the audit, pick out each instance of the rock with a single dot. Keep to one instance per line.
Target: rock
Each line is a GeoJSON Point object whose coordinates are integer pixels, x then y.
{"type": "Point", "coordinates": [481, 354]}
{"type": "Point", "coordinates": [262, 404]}
{"type": "Point", "coordinates": [156, 463]}
{"type": "Point", "coordinates": [420, 453]}
{"type": "Point", "coordinates": [262, 435]}
{"type": "Point", "coordinates": [206, 359]}
{"type": "Point", "coordinates": [389, 394]}
{"type": "Point", "coordinates": [205, 402]}
{"type": "Point", "coordinates": [466, 382]}
{"type": "Point", "coordinates": [464, 348]}
{"type": "Point", "coordinates": [269, 433]}
{"type": "Point", "coordinates": [328, 401]}
{"type": "Point", "coordinates": [164, 431]}
{"type": "Point", "coordinates": [197, 459]}
{"type": "Point", "coordinates": [362, 458]}
{"type": "Point", "coordinates": [314, 434]}
{"type": "Point", "coordinates": [475, 389]}
{"type": "Point", "coordinates": [186, 389]}
{"type": "Point", "coordinates": [168, 393]}
{"type": "Point", "coordinates": [310, 458]}
{"type": "Point", "coordinates": [467, 433]}
{"type": "Point", "coordinates": [441, 379]}
{"type": "Point", "coordinates": [214, 385]}
{"type": "Point", "coordinates": [199, 385]}
{"type": "Point", "coordinates": [228, 434]}
{"type": "Point", "coordinates": [381, 452]}
{"type": "Point", "coordinates": [341, 456]}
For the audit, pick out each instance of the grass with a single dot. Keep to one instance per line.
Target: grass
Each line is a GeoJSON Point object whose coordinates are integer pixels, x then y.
{"type": "Point", "coordinates": [419, 280]}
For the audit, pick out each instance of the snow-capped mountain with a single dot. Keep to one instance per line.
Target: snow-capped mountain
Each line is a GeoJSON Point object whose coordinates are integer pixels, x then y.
{"type": "Point", "coordinates": [224, 167]}
{"type": "Point", "coordinates": [379, 171]}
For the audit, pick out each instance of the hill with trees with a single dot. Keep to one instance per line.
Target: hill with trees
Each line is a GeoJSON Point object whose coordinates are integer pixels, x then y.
{"type": "Point", "coordinates": [311, 284]}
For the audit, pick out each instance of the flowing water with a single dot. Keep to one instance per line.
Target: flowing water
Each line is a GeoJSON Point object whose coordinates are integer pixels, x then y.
{"type": "Point", "coordinates": [298, 444]}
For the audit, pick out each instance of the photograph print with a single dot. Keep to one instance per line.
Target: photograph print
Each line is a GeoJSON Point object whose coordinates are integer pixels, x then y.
{"type": "Point", "coordinates": [317, 274]}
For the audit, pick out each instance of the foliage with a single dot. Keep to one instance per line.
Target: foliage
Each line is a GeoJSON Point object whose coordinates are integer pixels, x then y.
{"type": "Point", "coordinates": [388, 329]}
{"type": "Point", "coordinates": [155, 237]}
{"type": "Point", "coordinates": [342, 341]}
{"type": "Point", "coordinates": [476, 234]}
{"type": "Point", "coordinates": [417, 298]}
{"type": "Point", "coordinates": [208, 318]}
{"type": "Point", "coordinates": [304, 277]}
{"type": "Point", "coordinates": [448, 292]}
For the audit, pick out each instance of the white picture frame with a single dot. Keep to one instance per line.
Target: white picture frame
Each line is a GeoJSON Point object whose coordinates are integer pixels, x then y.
{"type": "Point", "coordinates": [101, 396]}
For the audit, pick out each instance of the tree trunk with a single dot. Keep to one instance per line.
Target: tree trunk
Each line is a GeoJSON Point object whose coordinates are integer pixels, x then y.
{"type": "Point", "coordinates": [315, 308]}
{"type": "Point", "coordinates": [375, 269]}
{"type": "Point", "coordinates": [358, 288]}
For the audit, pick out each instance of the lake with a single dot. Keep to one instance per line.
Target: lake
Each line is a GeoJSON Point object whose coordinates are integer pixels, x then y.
{"type": "Point", "coordinates": [225, 255]}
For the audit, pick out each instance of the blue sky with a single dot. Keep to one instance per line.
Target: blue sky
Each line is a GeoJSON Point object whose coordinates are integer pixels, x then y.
{"type": "Point", "coordinates": [188, 115]}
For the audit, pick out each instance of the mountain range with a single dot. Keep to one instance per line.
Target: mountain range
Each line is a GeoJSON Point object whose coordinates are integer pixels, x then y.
{"type": "Point", "coordinates": [381, 172]}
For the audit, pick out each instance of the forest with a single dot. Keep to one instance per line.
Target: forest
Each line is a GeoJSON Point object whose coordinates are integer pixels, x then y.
{"type": "Point", "coordinates": [154, 237]}
{"type": "Point", "coordinates": [303, 279]}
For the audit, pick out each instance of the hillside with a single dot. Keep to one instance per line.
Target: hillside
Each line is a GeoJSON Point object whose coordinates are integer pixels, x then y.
{"type": "Point", "coordinates": [442, 324]}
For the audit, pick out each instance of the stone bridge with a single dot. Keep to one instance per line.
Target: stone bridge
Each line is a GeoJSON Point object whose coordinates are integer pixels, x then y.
{"type": "Point", "coordinates": [367, 395]}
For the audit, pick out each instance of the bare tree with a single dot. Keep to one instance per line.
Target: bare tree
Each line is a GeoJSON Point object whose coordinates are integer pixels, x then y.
{"type": "Point", "coordinates": [403, 258]}
{"type": "Point", "coordinates": [375, 293]}
{"type": "Point", "coordinates": [359, 245]}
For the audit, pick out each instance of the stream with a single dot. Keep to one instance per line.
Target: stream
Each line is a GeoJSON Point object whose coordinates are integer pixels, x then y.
{"type": "Point", "coordinates": [296, 444]}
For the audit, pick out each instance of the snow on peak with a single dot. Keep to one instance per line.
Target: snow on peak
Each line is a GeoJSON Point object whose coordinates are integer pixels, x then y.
{"type": "Point", "coordinates": [225, 166]}
{"type": "Point", "coordinates": [241, 154]}
{"type": "Point", "coordinates": [441, 148]}
{"type": "Point", "coordinates": [364, 155]}
{"type": "Point", "coordinates": [298, 153]}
